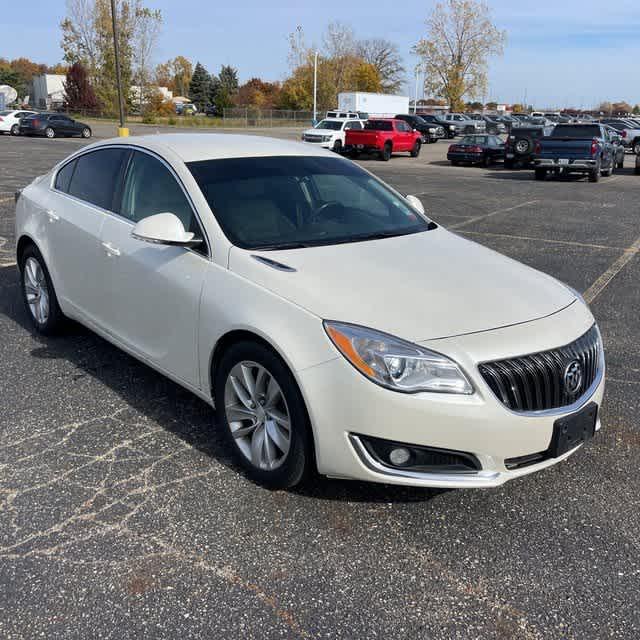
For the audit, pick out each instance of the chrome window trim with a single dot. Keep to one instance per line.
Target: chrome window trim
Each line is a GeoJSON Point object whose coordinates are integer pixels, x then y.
{"type": "Point", "coordinates": [133, 147]}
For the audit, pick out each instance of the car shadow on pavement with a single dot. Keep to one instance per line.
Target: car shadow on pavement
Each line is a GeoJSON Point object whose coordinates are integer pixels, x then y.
{"type": "Point", "coordinates": [160, 400]}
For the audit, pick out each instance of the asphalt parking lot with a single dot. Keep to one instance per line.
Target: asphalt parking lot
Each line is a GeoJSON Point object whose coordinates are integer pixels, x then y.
{"type": "Point", "coordinates": [121, 515]}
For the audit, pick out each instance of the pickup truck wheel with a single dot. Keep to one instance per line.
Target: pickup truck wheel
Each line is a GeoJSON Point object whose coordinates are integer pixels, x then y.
{"type": "Point", "coordinates": [541, 174]}
{"type": "Point", "coordinates": [621, 163]}
{"type": "Point", "coordinates": [337, 146]}
{"type": "Point", "coordinates": [415, 152]}
{"type": "Point", "coordinates": [594, 174]}
{"type": "Point", "coordinates": [385, 154]}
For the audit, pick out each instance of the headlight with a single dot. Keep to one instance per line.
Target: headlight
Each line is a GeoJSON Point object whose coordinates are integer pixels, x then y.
{"type": "Point", "coordinates": [326, 138]}
{"type": "Point", "coordinates": [396, 364]}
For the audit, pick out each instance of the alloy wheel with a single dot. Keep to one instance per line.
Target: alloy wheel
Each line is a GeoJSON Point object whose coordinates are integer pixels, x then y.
{"type": "Point", "coordinates": [36, 290]}
{"type": "Point", "coordinates": [258, 415]}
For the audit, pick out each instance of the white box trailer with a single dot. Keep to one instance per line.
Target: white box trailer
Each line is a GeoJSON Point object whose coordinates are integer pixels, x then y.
{"type": "Point", "coordinates": [375, 104]}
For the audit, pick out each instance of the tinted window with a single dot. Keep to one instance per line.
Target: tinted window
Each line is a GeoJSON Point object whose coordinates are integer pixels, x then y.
{"type": "Point", "coordinates": [275, 202]}
{"type": "Point", "coordinates": [576, 131]}
{"type": "Point", "coordinates": [403, 126]}
{"type": "Point", "coordinates": [329, 124]}
{"type": "Point", "coordinates": [378, 125]}
{"type": "Point", "coordinates": [151, 188]}
{"type": "Point", "coordinates": [63, 178]}
{"type": "Point", "coordinates": [96, 176]}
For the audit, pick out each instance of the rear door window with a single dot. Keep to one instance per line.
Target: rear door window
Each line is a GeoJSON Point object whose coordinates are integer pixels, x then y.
{"type": "Point", "coordinates": [97, 176]}
{"type": "Point", "coordinates": [63, 177]}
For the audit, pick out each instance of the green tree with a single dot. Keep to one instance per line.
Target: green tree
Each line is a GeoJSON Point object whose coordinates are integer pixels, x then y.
{"type": "Point", "coordinates": [492, 106]}
{"type": "Point", "coordinates": [636, 109]}
{"type": "Point", "coordinates": [200, 87]}
{"type": "Point", "coordinates": [455, 51]}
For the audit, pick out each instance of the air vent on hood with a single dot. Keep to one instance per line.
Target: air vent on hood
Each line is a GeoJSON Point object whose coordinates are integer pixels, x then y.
{"type": "Point", "coordinates": [274, 264]}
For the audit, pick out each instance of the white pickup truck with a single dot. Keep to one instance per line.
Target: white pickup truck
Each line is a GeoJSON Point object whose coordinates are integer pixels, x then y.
{"type": "Point", "coordinates": [330, 132]}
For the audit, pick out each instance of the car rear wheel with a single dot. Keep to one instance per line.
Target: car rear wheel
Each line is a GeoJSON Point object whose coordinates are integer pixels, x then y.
{"type": "Point", "coordinates": [415, 152]}
{"type": "Point", "coordinates": [385, 154]}
{"type": "Point", "coordinates": [15, 130]}
{"type": "Point", "coordinates": [86, 132]}
{"type": "Point", "coordinates": [262, 414]}
{"type": "Point", "coordinates": [49, 132]}
{"type": "Point", "coordinates": [38, 293]}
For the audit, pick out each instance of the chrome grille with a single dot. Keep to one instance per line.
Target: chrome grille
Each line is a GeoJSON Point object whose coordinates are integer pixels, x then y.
{"type": "Point", "coordinates": [536, 382]}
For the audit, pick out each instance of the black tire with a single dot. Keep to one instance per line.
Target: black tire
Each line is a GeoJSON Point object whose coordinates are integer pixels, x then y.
{"type": "Point", "coordinates": [415, 152]}
{"type": "Point", "coordinates": [385, 154]}
{"type": "Point", "coordinates": [49, 132]}
{"type": "Point", "coordinates": [608, 172]}
{"type": "Point", "coordinates": [353, 154]}
{"type": "Point", "coordinates": [455, 163]}
{"type": "Point", "coordinates": [337, 146]}
{"type": "Point", "coordinates": [594, 174]}
{"type": "Point", "coordinates": [297, 460]}
{"type": "Point", "coordinates": [637, 170]}
{"type": "Point", "coordinates": [620, 164]}
{"type": "Point", "coordinates": [55, 320]}
{"type": "Point", "coordinates": [86, 132]}
{"type": "Point", "coordinates": [541, 174]}
{"type": "Point", "coordinates": [15, 130]}
{"type": "Point", "coordinates": [487, 161]}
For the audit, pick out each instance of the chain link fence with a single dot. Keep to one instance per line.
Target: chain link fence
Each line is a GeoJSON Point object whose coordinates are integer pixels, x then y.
{"type": "Point", "coordinates": [251, 117]}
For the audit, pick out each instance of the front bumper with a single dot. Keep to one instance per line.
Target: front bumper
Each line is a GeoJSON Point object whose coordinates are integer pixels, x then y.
{"type": "Point", "coordinates": [342, 404]}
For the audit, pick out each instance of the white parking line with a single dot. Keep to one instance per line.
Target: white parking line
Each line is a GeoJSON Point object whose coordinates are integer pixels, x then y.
{"type": "Point", "coordinates": [587, 245]}
{"type": "Point", "coordinates": [458, 225]}
{"type": "Point", "coordinates": [614, 269]}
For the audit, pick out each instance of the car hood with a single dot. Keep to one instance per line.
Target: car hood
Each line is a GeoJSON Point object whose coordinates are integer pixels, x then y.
{"type": "Point", "coordinates": [419, 287]}
{"type": "Point", "coordinates": [324, 132]}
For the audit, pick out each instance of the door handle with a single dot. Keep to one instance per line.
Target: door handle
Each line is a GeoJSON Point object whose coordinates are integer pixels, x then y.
{"type": "Point", "coordinates": [110, 249]}
{"type": "Point", "coordinates": [53, 217]}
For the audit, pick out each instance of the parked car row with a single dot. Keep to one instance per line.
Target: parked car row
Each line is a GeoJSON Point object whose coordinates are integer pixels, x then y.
{"type": "Point", "coordinates": [593, 149]}
{"type": "Point", "coordinates": [50, 125]}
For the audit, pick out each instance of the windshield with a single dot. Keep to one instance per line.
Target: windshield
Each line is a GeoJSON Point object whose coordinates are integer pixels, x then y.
{"type": "Point", "coordinates": [329, 124]}
{"type": "Point", "coordinates": [378, 125]}
{"type": "Point", "coordinates": [475, 140]}
{"type": "Point", "coordinates": [285, 202]}
{"type": "Point", "coordinates": [576, 131]}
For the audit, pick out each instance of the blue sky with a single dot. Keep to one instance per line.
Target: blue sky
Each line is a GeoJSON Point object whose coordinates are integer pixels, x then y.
{"type": "Point", "coordinates": [561, 52]}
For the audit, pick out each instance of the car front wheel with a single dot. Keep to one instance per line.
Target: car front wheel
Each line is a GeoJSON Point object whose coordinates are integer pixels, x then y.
{"type": "Point", "coordinates": [262, 414]}
{"type": "Point", "coordinates": [415, 152]}
{"type": "Point", "coordinates": [49, 132]}
{"type": "Point", "coordinates": [15, 130]}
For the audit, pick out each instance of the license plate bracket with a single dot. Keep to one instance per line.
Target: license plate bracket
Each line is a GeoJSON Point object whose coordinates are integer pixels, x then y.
{"type": "Point", "coordinates": [563, 161]}
{"type": "Point", "coordinates": [572, 430]}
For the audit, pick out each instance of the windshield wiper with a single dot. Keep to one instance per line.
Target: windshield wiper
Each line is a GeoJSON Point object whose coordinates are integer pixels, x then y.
{"type": "Point", "coordinates": [282, 245]}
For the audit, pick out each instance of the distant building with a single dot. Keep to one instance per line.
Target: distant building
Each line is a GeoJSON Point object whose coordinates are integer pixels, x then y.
{"type": "Point", "coordinates": [47, 91]}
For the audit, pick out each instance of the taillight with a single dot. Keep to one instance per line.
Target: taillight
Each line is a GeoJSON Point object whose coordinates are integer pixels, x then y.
{"type": "Point", "coordinates": [594, 147]}
{"type": "Point", "coordinates": [537, 148]}
{"type": "Point", "coordinates": [36, 123]}
{"type": "Point", "coordinates": [476, 149]}
{"type": "Point", "coordinates": [623, 133]}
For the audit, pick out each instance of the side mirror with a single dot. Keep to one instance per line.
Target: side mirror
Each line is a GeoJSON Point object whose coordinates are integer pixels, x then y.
{"type": "Point", "coordinates": [164, 228]}
{"type": "Point", "coordinates": [416, 203]}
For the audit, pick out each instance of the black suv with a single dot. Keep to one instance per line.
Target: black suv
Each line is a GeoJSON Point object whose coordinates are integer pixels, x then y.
{"type": "Point", "coordinates": [51, 125]}
{"type": "Point", "coordinates": [520, 145]}
{"type": "Point", "coordinates": [431, 132]}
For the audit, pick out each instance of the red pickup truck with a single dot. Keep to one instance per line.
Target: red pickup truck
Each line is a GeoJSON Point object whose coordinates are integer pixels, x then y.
{"type": "Point", "coordinates": [384, 136]}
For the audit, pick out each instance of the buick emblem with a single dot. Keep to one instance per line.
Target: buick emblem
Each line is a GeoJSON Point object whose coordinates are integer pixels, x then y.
{"type": "Point", "coordinates": [573, 377]}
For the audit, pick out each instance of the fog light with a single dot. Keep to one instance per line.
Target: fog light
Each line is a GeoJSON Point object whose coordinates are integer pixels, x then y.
{"type": "Point", "coordinates": [399, 456]}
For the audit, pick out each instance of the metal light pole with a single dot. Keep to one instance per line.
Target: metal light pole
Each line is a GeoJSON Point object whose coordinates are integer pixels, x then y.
{"type": "Point", "coordinates": [415, 99]}
{"type": "Point", "coordinates": [315, 88]}
{"type": "Point", "coordinates": [122, 130]}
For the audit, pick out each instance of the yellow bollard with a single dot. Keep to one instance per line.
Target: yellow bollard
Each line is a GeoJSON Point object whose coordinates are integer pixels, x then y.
{"type": "Point", "coordinates": [123, 132]}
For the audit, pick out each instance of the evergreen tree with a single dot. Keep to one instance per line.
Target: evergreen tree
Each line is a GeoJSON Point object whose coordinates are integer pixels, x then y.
{"type": "Point", "coordinates": [229, 79]}
{"type": "Point", "coordinates": [200, 87]}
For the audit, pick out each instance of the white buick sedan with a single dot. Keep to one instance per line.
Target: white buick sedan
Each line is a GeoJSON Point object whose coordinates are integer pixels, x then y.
{"type": "Point", "coordinates": [328, 320]}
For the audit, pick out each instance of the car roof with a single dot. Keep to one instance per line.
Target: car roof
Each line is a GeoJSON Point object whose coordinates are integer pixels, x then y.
{"type": "Point", "coordinates": [193, 147]}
